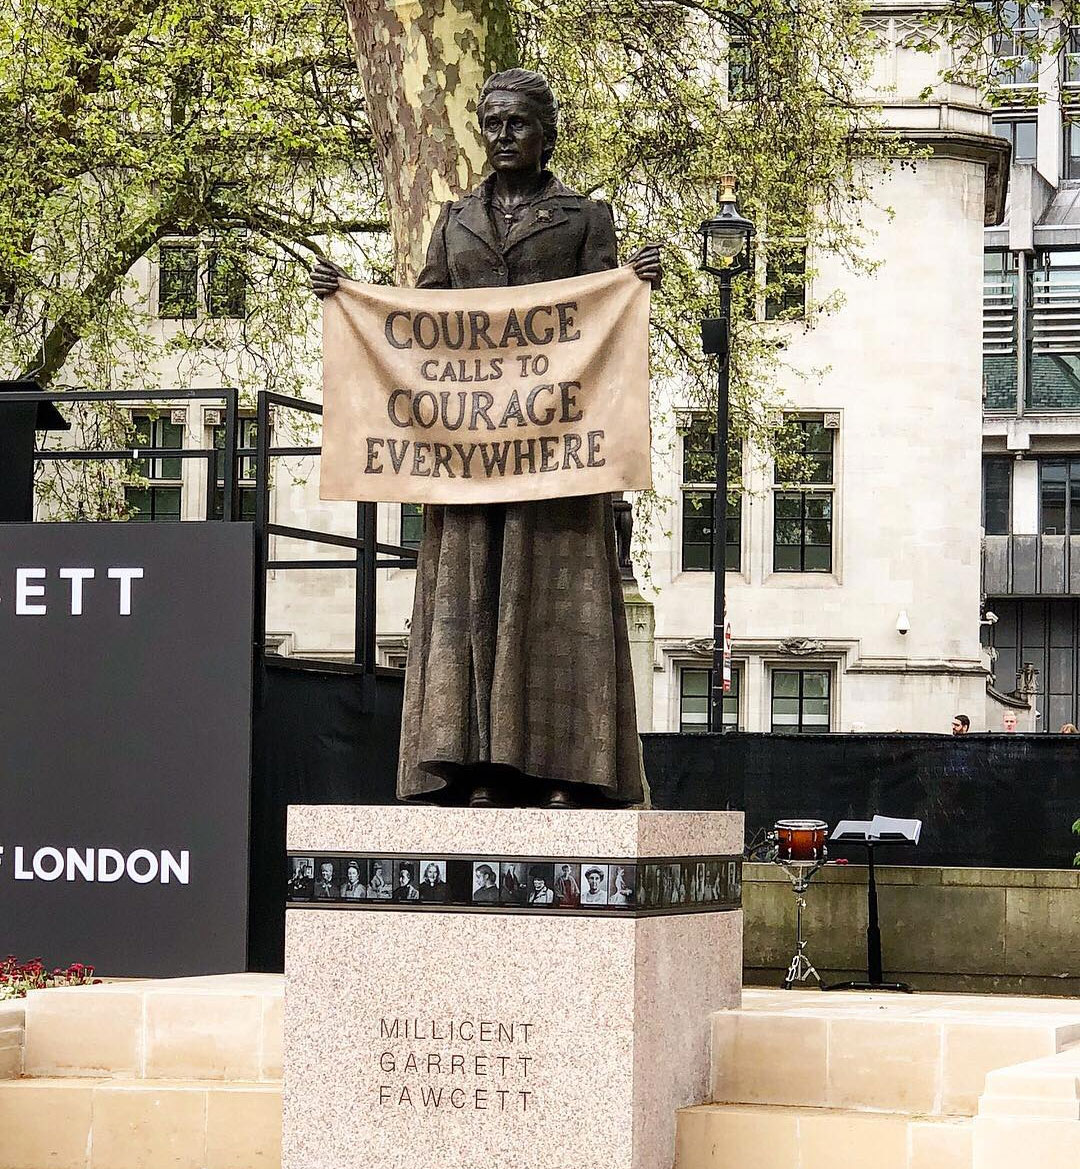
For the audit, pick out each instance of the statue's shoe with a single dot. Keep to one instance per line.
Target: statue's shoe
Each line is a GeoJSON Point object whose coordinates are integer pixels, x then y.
{"type": "Point", "coordinates": [482, 797]}
{"type": "Point", "coordinates": [560, 797]}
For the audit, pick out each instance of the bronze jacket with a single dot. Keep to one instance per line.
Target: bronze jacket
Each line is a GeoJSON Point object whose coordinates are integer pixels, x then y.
{"type": "Point", "coordinates": [561, 234]}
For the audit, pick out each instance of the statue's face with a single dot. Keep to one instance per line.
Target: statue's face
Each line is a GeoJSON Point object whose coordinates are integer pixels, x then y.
{"type": "Point", "coordinates": [513, 135]}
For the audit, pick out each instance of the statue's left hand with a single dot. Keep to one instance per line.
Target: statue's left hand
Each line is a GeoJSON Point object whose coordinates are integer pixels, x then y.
{"type": "Point", "coordinates": [646, 264]}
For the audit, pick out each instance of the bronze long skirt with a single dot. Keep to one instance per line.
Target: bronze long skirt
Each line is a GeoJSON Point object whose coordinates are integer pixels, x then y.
{"type": "Point", "coordinates": [519, 671]}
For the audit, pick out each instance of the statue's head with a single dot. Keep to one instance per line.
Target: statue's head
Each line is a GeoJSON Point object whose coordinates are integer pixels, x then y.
{"type": "Point", "coordinates": [528, 96]}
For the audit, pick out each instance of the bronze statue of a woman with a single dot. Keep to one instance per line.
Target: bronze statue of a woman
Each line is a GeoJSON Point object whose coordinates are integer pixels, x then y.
{"type": "Point", "coordinates": [518, 688]}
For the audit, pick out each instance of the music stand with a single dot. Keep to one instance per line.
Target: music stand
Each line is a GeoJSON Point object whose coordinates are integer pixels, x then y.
{"type": "Point", "coordinates": [872, 834]}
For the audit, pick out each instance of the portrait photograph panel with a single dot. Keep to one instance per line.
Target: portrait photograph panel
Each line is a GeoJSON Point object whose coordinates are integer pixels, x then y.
{"type": "Point", "coordinates": [713, 883]}
{"type": "Point", "coordinates": [380, 884]}
{"type": "Point", "coordinates": [327, 878]}
{"type": "Point", "coordinates": [674, 889]}
{"type": "Point", "coordinates": [541, 889]}
{"type": "Point", "coordinates": [567, 885]}
{"type": "Point", "coordinates": [594, 884]}
{"type": "Point", "coordinates": [485, 883]}
{"type": "Point", "coordinates": [622, 882]}
{"type": "Point", "coordinates": [514, 883]}
{"type": "Point", "coordinates": [652, 884]}
{"type": "Point", "coordinates": [406, 881]}
{"type": "Point", "coordinates": [354, 875]}
{"type": "Point", "coordinates": [696, 875]}
{"type": "Point", "coordinates": [301, 881]}
{"type": "Point", "coordinates": [433, 881]}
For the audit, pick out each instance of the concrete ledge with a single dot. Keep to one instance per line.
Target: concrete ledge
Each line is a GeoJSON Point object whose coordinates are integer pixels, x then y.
{"type": "Point", "coordinates": [226, 1027]}
{"type": "Point", "coordinates": [927, 1054]}
{"type": "Point", "coordinates": [950, 929]}
{"type": "Point", "coordinates": [109, 1124]}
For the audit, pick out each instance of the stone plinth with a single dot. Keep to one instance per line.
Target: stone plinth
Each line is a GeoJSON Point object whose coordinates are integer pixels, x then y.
{"type": "Point", "coordinates": [520, 1026]}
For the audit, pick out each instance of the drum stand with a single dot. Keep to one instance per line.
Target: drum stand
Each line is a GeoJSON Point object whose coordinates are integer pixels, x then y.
{"type": "Point", "coordinates": [800, 873]}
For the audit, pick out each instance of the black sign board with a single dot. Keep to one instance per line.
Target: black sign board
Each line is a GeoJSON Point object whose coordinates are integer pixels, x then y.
{"type": "Point", "coordinates": [125, 709]}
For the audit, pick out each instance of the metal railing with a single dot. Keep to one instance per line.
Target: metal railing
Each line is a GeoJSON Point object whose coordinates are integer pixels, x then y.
{"type": "Point", "coordinates": [223, 466]}
{"type": "Point", "coordinates": [368, 554]}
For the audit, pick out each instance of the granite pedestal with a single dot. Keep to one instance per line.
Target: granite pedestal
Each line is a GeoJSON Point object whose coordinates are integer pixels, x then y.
{"type": "Point", "coordinates": [554, 1018]}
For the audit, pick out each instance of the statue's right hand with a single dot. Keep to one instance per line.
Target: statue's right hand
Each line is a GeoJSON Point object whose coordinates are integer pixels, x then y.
{"type": "Point", "coordinates": [325, 276]}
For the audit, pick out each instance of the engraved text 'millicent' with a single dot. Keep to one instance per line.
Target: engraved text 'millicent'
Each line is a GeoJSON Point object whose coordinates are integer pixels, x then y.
{"type": "Point", "coordinates": [484, 1067]}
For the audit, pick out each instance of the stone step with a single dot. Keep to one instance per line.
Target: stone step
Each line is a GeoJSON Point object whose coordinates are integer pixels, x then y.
{"type": "Point", "coordinates": [733, 1136]}
{"type": "Point", "coordinates": [223, 1027]}
{"type": "Point", "coordinates": [81, 1123]}
{"type": "Point", "coordinates": [12, 1014]}
{"type": "Point", "coordinates": [925, 1053]}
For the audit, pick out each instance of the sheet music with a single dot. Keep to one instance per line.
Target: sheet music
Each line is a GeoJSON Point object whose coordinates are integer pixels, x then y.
{"type": "Point", "coordinates": [883, 828]}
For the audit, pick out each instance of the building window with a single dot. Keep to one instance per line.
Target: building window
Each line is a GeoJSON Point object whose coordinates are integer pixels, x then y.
{"type": "Point", "coordinates": [412, 525]}
{"type": "Point", "coordinates": [997, 494]}
{"type": "Point", "coordinates": [1015, 46]}
{"type": "Point", "coordinates": [1070, 62]}
{"type": "Point", "coordinates": [800, 701]}
{"type": "Point", "coordinates": [785, 281]}
{"type": "Point", "coordinates": [226, 284]}
{"type": "Point", "coordinates": [1059, 497]}
{"type": "Point", "coordinates": [803, 516]}
{"type": "Point", "coordinates": [999, 330]}
{"type": "Point", "coordinates": [740, 69]}
{"type": "Point", "coordinates": [699, 480]}
{"type": "Point", "coordinates": [1070, 158]}
{"type": "Point", "coordinates": [159, 500]}
{"type": "Point", "coordinates": [196, 278]}
{"type": "Point", "coordinates": [695, 688]}
{"type": "Point", "coordinates": [247, 432]}
{"type": "Point", "coordinates": [1054, 362]}
{"type": "Point", "coordinates": [1021, 134]}
{"type": "Point", "coordinates": [178, 281]}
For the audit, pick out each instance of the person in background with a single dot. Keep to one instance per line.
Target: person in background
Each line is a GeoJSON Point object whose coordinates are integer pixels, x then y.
{"type": "Point", "coordinates": [1068, 729]}
{"type": "Point", "coordinates": [1008, 722]}
{"type": "Point", "coordinates": [961, 724]}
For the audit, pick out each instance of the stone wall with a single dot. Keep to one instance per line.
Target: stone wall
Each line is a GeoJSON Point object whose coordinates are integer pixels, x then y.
{"type": "Point", "coordinates": [960, 929]}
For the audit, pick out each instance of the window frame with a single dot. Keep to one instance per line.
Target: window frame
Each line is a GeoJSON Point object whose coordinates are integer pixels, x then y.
{"type": "Point", "coordinates": [158, 483]}
{"type": "Point", "coordinates": [824, 490]}
{"type": "Point", "coordinates": [1013, 119]}
{"type": "Point", "coordinates": [801, 669]}
{"type": "Point", "coordinates": [791, 303]}
{"type": "Point", "coordinates": [247, 435]}
{"type": "Point", "coordinates": [692, 487]}
{"type": "Point", "coordinates": [735, 696]}
{"type": "Point", "coordinates": [996, 460]}
{"type": "Point", "coordinates": [202, 301]}
{"type": "Point", "coordinates": [402, 517]}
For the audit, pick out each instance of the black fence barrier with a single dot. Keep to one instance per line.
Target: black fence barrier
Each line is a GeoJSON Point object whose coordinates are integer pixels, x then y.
{"type": "Point", "coordinates": [320, 737]}
{"type": "Point", "coordinates": [997, 801]}
{"type": "Point", "coordinates": [994, 801]}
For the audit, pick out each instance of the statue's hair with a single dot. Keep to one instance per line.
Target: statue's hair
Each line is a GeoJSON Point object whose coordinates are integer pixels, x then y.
{"type": "Point", "coordinates": [531, 85]}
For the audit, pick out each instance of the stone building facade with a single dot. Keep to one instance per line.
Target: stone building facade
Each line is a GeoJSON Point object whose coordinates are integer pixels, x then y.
{"type": "Point", "coordinates": [855, 599]}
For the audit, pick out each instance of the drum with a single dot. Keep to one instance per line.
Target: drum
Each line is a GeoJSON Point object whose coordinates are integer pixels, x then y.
{"type": "Point", "coordinates": [801, 840]}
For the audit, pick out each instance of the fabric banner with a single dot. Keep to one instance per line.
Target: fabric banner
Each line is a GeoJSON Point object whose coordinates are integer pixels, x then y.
{"type": "Point", "coordinates": [486, 395]}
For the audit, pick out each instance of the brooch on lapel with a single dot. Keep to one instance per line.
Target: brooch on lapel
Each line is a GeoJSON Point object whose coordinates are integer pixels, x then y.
{"type": "Point", "coordinates": [543, 215]}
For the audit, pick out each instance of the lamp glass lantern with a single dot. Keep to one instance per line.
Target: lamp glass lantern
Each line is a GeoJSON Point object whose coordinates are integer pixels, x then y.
{"type": "Point", "coordinates": [725, 239]}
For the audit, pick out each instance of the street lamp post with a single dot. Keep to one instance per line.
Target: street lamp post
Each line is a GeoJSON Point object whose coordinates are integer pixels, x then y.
{"type": "Point", "coordinates": [725, 252]}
